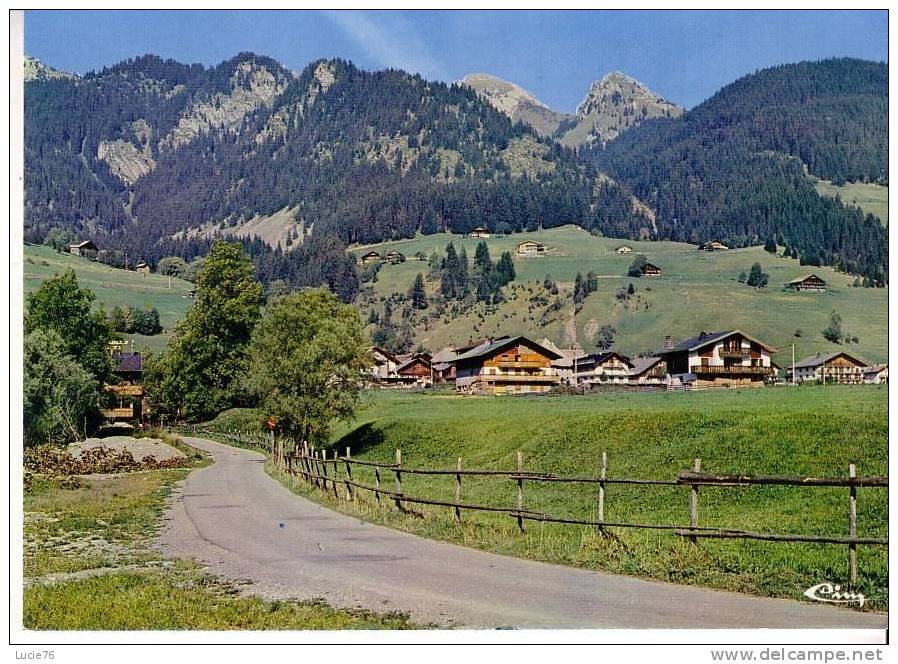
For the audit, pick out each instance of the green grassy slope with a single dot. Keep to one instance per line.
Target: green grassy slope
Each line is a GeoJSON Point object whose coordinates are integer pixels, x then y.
{"type": "Point", "coordinates": [801, 431]}
{"type": "Point", "coordinates": [115, 287]}
{"type": "Point", "coordinates": [871, 198]}
{"type": "Point", "coordinates": [697, 290]}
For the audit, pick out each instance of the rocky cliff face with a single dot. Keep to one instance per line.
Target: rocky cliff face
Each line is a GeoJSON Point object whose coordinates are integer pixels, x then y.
{"type": "Point", "coordinates": [614, 104]}
{"type": "Point", "coordinates": [35, 70]}
{"type": "Point", "coordinates": [516, 103]}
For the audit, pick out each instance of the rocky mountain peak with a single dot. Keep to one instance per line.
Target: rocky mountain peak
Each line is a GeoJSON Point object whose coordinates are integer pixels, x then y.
{"type": "Point", "coordinates": [515, 102]}
{"type": "Point", "coordinates": [35, 70]}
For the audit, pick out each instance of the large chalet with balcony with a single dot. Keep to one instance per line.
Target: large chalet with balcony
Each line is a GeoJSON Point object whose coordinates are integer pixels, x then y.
{"type": "Point", "coordinates": [719, 359]}
{"type": "Point", "coordinates": [609, 368]}
{"type": "Point", "coordinates": [506, 365]}
{"type": "Point", "coordinates": [837, 367]}
{"type": "Point", "coordinates": [127, 394]}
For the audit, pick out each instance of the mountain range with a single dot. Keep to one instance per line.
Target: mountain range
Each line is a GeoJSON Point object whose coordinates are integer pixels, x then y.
{"type": "Point", "coordinates": [156, 157]}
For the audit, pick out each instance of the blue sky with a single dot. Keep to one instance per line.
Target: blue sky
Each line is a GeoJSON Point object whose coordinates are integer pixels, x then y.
{"type": "Point", "coordinates": [685, 56]}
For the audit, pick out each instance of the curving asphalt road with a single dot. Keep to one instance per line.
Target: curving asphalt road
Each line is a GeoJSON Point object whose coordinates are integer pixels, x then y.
{"type": "Point", "coordinates": [243, 525]}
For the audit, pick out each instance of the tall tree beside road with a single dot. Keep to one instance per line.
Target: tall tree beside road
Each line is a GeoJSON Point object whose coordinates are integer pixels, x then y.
{"type": "Point", "coordinates": [196, 376]}
{"type": "Point", "coordinates": [305, 363]}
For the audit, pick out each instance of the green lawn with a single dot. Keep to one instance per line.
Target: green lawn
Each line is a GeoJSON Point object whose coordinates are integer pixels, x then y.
{"type": "Point", "coordinates": [871, 198]}
{"type": "Point", "coordinates": [89, 566]}
{"type": "Point", "coordinates": [115, 287]}
{"type": "Point", "coordinates": [803, 431]}
{"type": "Point", "coordinates": [696, 291]}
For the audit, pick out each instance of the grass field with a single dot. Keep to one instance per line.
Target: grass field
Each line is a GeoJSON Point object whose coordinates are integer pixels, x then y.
{"type": "Point", "coordinates": [115, 287]}
{"type": "Point", "coordinates": [871, 198]}
{"type": "Point", "coordinates": [89, 566]}
{"type": "Point", "coordinates": [803, 431]}
{"type": "Point", "coordinates": [696, 291]}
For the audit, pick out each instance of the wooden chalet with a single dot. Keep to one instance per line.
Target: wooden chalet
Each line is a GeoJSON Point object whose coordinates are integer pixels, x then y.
{"type": "Point", "coordinates": [127, 392]}
{"type": "Point", "coordinates": [609, 368]}
{"type": "Point", "coordinates": [648, 371]}
{"type": "Point", "coordinates": [506, 365]}
{"type": "Point", "coordinates": [877, 374]}
{"type": "Point", "coordinates": [384, 363]}
{"type": "Point", "coordinates": [714, 245]}
{"type": "Point", "coordinates": [370, 257]}
{"type": "Point", "coordinates": [142, 267]}
{"type": "Point", "coordinates": [624, 249]}
{"type": "Point", "coordinates": [650, 270]}
{"type": "Point", "coordinates": [530, 248]}
{"type": "Point", "coordinates": [837, 367]}
{"type": "Point", "coordinates": [443, 369]}
{"type": "Point", "coordinates": [719, 359]}
{"type": "Point", "coordinates": [394, 257]}
{"type": "Point", "coordinates": [81, 248]}
{"type": "Point", "coordinates": [810, 282]}
{"type": "Point", "coordinates": [415, 371]}
{"type": "Point", "coordinates": [480, 232]}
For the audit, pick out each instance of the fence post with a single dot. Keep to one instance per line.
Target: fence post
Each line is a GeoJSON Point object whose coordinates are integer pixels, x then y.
{"type": "Point", "coordinates": [377, 484]}
{"type": "Point", "coordinates": [348, 476]}
{"type": "Point", "coordinates": [601, 507]}
{"type": "Point", "coordinates": [336, 493]}
{"type": "Point", "coordinates": [313, 465]}
{"type": "Point", "coordinates": [520, 491]}
{"type": "Point", "coordinates": [398, 473]}
{"type": "Point", "coordinates": [852, 524]}
{"type": "Point", "coordinates": [693, 504]}
{"type": "Point", "coordinates": [458, 491]}
{"type": "Point", "coordinates": [324, 467]}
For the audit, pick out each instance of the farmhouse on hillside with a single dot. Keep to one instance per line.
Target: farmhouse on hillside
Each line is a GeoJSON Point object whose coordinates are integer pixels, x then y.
{"type": "Point", "coordinates": [370, 257]}
{"type": "Point", "coordinates": [624, 249]}
{"type": "Point", "coordinates": [648, 371]}
{"type": "Point", "coordinates": [530, 248]}
{"type": "Point", "coordinates": [837, 367]}
{"type": "Point", "coordinates": [719, 359]}
{"type": "Point", "coordinates": [480, 232]}
{"type": "Point", "coordinates": [506, 365]}
{"type": "Point", "coordinates": [810, 282]}
{"type": "Point", "coordinates": [608, 368]}
{"type": "Point", "coordinates": [714, 245]}
{"type": "Point", "coordinates": [384, 363]}
{"type": "Point", "coordinates": [877, 374]}
{"type": "Point", "coordinates": [394, 257]}
{"type": "Point", "coordinates": [650, 270]}
{"type": "Point", "coordinates": [128, 391]}
{"type": "Point", "coordinates": [142, 267]}
{"type": "Point", "coordinates": [80, 248]}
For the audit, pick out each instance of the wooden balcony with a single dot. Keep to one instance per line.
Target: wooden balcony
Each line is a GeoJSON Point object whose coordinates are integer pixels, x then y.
{"type": "Point", "coordinates": [118, 413]}
{"type": "Point", "coordinates": [508, 378]}
{"type": "Point", "coordinates": [736, 370]}
{"type": "Point", "coordinates": [517, 364]}
{"type": "Point", "coordinates": [125, 390]}
{"type": "Point", "coordinates": [735, 352]}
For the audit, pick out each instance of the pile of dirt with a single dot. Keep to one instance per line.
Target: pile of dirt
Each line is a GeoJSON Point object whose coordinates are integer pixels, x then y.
{"type": "Point", "coordinates": [138, 447]}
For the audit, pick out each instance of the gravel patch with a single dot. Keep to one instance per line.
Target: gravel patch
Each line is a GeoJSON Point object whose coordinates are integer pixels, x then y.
{"type": "Point", "coordinates": [138, 447]}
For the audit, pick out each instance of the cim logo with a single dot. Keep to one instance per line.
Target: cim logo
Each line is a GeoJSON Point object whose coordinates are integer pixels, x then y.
{"type": "Point", "coordinates": [833, 594]}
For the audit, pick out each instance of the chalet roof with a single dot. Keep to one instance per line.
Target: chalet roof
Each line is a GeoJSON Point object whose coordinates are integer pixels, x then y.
{"type": "Point", "coordinates": [599, 358]}
{"type": "Point", "coordinates": [647, 264]}
{"type": "Point", "coordinates": [141, 264]}
{"type": "Point", "coordinates": [805, 278]}
{"type": "Point", "coordinates": [534, 242]}
{"type": "Point", "coordinates": [707, 338]}
{"type": "Point", "coordinates": [445, 355]}
{"type": "Point", "coordinates": [642, 364]}
{"type": "Point", "coordinates": [127, 362]}
{"type": "Point", "coordinates": [875, 368]}
{"type": "Point", "coordinates": [369, 254]}
{"type": "Point", "coordinates": [501, 343]}
{"type": "Point", "coordinates": [82, 244]}
{"type": "Point", "coordinates": [820, 359]}
{"type": "Point", "coordinates": [479, 229]}
{"type": "Point", "coordinates": [383, 351]}
{"type": "Point", "coordinates": [392, 252]}
{"type": "Point", "coordinates": [417, 357]}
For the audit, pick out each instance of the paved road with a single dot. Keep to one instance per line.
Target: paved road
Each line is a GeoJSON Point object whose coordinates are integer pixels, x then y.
{"type": "Point", "coordinates": [244, 525]}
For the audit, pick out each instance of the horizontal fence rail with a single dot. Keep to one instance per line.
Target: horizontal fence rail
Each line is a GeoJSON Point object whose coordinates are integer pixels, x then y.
{"type": "Point", "coordinates": [317, 469]}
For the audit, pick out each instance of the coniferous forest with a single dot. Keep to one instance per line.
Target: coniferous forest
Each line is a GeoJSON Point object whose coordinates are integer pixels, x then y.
{"type": "Point", "coordinates": [143, 157]}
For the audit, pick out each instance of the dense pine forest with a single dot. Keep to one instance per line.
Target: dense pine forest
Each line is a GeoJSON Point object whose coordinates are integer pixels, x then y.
{"type": "Point", "coordinates": [735, 167]}
{"type": "Point", "coordinates": [151, 158]}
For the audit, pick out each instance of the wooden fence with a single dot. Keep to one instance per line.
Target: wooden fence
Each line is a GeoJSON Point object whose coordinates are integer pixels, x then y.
{"type": "Point", "coordinates": [334, 475]}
